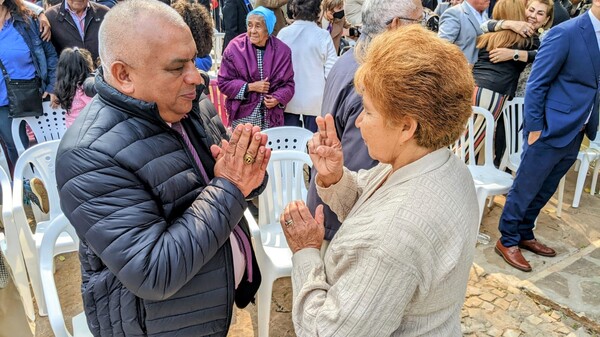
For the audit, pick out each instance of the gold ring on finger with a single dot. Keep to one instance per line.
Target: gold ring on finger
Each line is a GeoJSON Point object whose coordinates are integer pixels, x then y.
{"type": "Point", "coordinates": [289, 223]}
{"type": "Point", "coordinates": [248, 159]}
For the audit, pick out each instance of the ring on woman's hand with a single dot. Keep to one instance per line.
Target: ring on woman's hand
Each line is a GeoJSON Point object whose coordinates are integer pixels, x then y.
{"type": "Point", "coordinates": [248, 159]}
{"type": "Point", "coordinates": [289, 223]}
{"type": "Point", "coordinates": [525, 31]}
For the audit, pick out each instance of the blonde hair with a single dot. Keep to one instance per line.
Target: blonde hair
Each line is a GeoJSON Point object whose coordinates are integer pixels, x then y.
{"type": "Point", "coordinates": [505, 10]}
{"type": "Point", "coordinates": [429, 82]}
{"type": "Point", "coordinates": [331, 4]}
{"type": "Point", "coordinates": [549, 11]}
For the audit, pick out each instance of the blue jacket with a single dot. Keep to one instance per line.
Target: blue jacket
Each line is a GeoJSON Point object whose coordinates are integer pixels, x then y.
{"type": "Point", "coordinates": [44, 54]}
{"type": "Point", "coordinates": [563, 84]}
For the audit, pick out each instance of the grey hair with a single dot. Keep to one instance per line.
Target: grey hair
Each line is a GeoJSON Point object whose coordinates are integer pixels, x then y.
{"type": "Point", "coordinates": [375, 13]}
{"type": "Point", "coordinates": [118, 27]}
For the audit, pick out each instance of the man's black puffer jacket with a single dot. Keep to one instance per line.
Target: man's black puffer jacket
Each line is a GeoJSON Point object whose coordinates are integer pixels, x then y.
{"type": "Point", "coordinates": [155, 251]}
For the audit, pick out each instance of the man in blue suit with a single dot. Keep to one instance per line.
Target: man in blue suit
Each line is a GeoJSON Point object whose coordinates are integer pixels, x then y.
{"type": "Point", "coordinates": [561, 105]}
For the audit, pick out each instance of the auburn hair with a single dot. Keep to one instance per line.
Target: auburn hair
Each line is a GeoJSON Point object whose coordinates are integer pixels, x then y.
{"type": "Point", "coordinates": [430, 82]}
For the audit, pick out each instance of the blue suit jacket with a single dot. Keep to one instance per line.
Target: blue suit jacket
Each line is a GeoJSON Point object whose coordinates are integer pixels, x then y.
{"type": "Point", "coordinates": [563, 84]}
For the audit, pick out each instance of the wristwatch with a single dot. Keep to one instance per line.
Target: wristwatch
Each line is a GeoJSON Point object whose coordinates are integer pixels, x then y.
{"type": "Point", "coordinates": [516, 55]}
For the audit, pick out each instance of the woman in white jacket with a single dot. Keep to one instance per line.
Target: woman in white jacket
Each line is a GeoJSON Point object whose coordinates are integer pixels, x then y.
{"type": "Point", "coordinates": [313, 55]}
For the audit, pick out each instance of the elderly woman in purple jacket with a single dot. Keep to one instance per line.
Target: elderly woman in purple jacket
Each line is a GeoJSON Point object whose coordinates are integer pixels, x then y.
{"type": "Point", "coordinates": [256, 73]}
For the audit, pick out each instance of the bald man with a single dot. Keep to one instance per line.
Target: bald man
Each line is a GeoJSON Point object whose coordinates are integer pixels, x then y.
{"type": "Point", "coordinates": [157, 204]}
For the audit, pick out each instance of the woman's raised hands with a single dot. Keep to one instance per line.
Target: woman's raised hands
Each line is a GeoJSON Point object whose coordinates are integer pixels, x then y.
{"type": "Point", "coordinates": [325, 151]}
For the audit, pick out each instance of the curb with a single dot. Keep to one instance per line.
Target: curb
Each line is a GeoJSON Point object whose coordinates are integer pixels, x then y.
{"type": "Point", "coordinates": [537, 295]}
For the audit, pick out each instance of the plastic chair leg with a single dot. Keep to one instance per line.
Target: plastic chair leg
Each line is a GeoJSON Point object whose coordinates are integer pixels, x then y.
{"type": "Point", "coordinates": [491, 202]}
{"type": "Point", "coordinates": [561, 192]}
{"type": "Point", "coordinates": [585, 165]}
{"type": "Point", "coordinates": [32, 263]}
{"type": "Point", "coordinates": [481, 198]}
{"type": "Point", "coordinates": [265, 293]}
{"type": "Point", "coordinates": [22, 284]}
{"type": "Point", "coordinates": [595, 178]}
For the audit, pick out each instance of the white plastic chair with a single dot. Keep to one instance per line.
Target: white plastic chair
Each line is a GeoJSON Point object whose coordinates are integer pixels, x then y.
{"type": "Point", "coordinates": [11, 248]}
{"type": "Point", "coordinates": [288, 138]}
{"type": "Point", "coordinates": [48, 250]}
{"type": "Point", "coordinates": [584, 158]}
{"type": "Point", "coordinates": [217, 50]}
{"type": "Point", "coordinates": [489, 180]}
{"type": "Point", "coordinates": [513, 120]}
{"type": "Point", "coordinates": [4, 161]}
{"type": "Point", "coordinates": [42, 157]}
{"type": "Point", "coordinates": [286, 184]}
{"type": "Point", "coordinates": [50, 126]}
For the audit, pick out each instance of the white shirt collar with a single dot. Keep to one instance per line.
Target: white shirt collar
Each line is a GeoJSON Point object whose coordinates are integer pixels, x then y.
{"type": "Point", "coordinates": [481, 17]}
{"type": "Point", "coordinates": [595, 21]}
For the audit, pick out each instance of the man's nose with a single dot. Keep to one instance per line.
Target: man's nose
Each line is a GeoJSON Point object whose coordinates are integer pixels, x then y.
{"type": "Point", "coordinates": [194, 77]}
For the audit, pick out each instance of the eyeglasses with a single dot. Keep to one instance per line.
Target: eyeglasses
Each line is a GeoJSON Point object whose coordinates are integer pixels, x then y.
{"type": "Point", "coordinates": [420, 20]}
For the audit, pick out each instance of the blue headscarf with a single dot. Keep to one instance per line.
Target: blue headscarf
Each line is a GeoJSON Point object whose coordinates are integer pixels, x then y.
{"type": "Point", "coordinates": [267, 14]}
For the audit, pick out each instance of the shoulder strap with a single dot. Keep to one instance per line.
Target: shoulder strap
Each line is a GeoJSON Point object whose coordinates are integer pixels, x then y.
{"type": "Point", "coordinates": [4, 72]}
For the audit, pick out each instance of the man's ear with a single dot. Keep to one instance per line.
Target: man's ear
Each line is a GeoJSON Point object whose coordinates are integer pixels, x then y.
{"type": "Point", "coordinates": [121, 76]}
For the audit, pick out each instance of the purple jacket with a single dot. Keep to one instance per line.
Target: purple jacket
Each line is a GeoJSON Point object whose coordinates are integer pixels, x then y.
{"type": "Point", "coordinates": [239, 66]}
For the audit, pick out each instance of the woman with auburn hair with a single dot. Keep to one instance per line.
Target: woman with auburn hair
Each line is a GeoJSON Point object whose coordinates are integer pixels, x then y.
{"type": "Point", "coordinates": [399, 264]}
{"type": "Point", "coordinates": [497, 81]}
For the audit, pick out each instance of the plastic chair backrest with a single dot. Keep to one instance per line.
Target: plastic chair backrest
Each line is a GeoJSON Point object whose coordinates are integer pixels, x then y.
{"type": "Point", "coordinates": [288, 138]}
{"type": "Point", "coordinates": [218, 100]}
{"type": "Point", "coordinates": [468, 138]}
{"type": "Point", "coordinates": [43, 158]}
{"type": "Point", "coordinates": [46, 268]}
{"type": "Point", "coordinates": [11, 247]}
{"type": "Point", "coordinates": [218, 47]}
{"type": "Point", "coordinates": [513, 120]}
{"type": "Point", "coordinates": [286, 183]}
{"type": "Point", "coordinates": [4, 161]}
{"type": "Point", "coordinates": [50, 126]}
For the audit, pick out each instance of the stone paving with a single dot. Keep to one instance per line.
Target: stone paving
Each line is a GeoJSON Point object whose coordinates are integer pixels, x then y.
{"type": "Point", "coordinates": [569, 282]}
{"type": "Point", "coordinates": [496, 309]}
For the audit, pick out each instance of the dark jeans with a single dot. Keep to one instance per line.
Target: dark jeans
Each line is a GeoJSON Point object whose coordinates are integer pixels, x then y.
{"type": "Point", "coordinates": [6, 138]}
{"type": "Point", "coordinates": [542, 166]}
{"type": "Point", "coordinates": [291, 119]}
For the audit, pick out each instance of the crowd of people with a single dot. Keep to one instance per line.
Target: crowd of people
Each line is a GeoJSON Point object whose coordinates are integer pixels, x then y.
{"type": "Point", "coordinates": [156, 187]}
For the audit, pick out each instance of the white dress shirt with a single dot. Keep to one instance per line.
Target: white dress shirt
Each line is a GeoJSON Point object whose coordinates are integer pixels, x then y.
{"type": "Point", "coordinates": [481, 17]}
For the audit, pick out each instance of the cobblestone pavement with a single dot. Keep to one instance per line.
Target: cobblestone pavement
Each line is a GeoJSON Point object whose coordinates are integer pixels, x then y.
{"type": "Point", "coordinates": [491, 309]}
{"type": "Point", "coordinates": [494, 309]}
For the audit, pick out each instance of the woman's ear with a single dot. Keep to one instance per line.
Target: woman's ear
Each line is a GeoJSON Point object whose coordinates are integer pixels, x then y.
{"type": "Point", "coordinates": [407, 128]}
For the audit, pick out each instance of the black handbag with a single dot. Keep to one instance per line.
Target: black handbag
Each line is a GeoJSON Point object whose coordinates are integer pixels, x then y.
{"type": "Point", "coordinates": [24, 96]}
